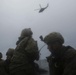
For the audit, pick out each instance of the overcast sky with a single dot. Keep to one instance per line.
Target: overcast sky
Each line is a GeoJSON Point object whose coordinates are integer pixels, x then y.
{"type": "Point", "coordinates": [16, 15]}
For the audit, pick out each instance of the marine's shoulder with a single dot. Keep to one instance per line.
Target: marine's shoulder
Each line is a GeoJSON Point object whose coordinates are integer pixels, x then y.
{"type": "Point", "coordinates": [70, 49]}
{"type": "Point", "coordinates": [70, 53]}
{"type": "Point", "coordinates": [32, 41]}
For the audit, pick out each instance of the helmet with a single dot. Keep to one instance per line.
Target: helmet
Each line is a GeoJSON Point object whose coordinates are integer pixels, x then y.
{"type": "Point", "coordinates": [54, 37]}
{"type": "Point", "coordinates": [10, 52]}
{"type": "Point", "coordinates": [26, 32]}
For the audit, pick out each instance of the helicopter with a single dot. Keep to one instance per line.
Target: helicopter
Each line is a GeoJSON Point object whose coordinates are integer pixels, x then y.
{"type": "Point", "coordinates": [42, 8]}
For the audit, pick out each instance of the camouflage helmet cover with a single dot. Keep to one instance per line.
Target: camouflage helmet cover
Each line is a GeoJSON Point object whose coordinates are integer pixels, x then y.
{"type": "Point", "coordinates": [26, 32]}
{"type": "Point", "coordinates": [10, 51]}
{"type": "Point", "coordinates": [54, 37]}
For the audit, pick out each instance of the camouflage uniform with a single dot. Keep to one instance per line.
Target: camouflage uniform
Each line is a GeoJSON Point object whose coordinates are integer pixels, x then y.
{"type": "Point", "coordinates": [9, 55]}
{"type": "Point", "coordinates": [26, 52]}
{"type": "Point", "coordinates": [63, 62]}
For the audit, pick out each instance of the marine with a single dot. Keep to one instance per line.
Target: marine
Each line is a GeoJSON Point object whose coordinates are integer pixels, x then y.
{"type": "Point", "coordinates": [26, 52]}
{"type": "Point", "coordinates": [7, 62]}
{"type": "Point", "coordinates": [62, 60]}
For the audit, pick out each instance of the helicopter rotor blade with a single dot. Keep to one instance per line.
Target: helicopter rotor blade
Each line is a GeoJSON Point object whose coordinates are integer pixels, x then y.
{"type": "Point", "coordinates": [47, 5]}
{"type": "Point", "coordinates": [40, 5]}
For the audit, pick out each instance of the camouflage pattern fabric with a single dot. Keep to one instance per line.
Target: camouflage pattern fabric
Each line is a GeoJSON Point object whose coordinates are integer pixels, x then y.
{"type": "Point", "coordinates": [2, 68]}
{"type": "Point", "coordinates": [24, 56]}
{"type": "Point", "coordinates": [64, 63]}
{"type": "Point", "coordinates": [54, 37]}
{"type": "Point", "coordinates": [9, 55]}
{"type": "Point", "coordinates": [70, 58]}
{"type": "Point", "coordinates": [26, 32]}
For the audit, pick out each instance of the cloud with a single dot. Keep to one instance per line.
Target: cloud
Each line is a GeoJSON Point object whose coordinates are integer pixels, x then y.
{"type": "Point", "coordinates": [16, 15]}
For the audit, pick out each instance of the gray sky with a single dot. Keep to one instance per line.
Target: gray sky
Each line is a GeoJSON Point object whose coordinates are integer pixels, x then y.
{"type": "Point", "coordinates": [16, 15]}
